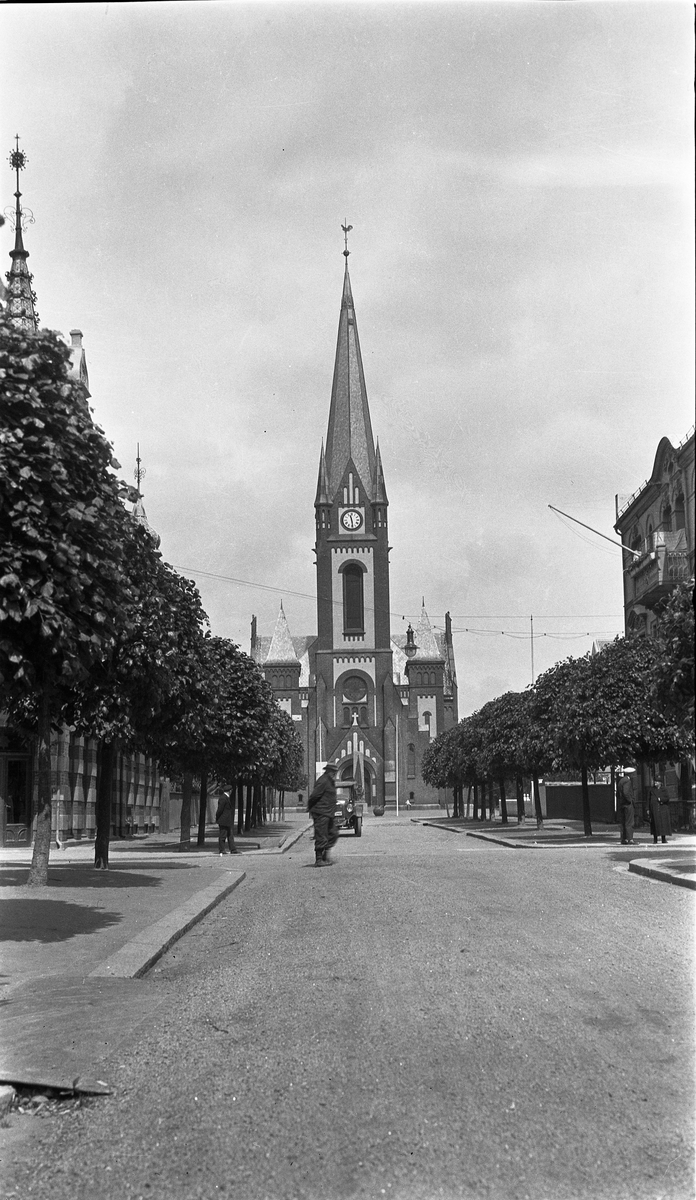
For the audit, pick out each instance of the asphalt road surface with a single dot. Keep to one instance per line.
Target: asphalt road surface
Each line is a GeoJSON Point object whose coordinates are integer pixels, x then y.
{"type": "Point", "coordinates": [433, 1016]}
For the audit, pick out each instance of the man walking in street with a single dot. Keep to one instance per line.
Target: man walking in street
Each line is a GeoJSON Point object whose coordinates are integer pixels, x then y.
{"type": "Point", "coordinates": [225, 820]}
{"type": "Point", "coordinates": [321, 807]}
{"type": "Point", "coordinates": [624, 803]}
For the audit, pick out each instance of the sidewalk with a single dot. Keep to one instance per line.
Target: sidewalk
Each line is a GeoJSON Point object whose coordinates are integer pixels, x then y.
{"type": "Point", "coordinates": [74, 952]}
{"type": "Point", "coordinates": [676, 864]}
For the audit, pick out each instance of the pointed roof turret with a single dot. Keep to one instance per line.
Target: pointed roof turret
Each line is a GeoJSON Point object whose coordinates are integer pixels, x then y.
{"type": "Point", "coordinates": [425, 638]}
{"type": "Point", "coordinates": [139, 513]}
{"type": "Point", "coordinates": [379, 491]}
{"type": "Point", "coordinates": [323, 481]}
{"type": "Point", "coordinates": [281, 649]}
{"type": "Point", "coordinates": [349, 436]}
{"type": "Point", "coordinates": [20, 299]}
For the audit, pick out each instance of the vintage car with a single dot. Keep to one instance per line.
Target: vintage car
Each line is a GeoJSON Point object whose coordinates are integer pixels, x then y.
{"type": "Point", "coordinates": [349, 811]}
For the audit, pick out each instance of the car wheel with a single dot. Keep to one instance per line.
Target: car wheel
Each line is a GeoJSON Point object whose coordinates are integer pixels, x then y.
{"type": "Point", "coordinates": [358, 826]}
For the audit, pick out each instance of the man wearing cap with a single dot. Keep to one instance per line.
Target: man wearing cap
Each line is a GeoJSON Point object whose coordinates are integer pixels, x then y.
{"type": "Point", "coordinates": [624, 803]}
{"type": "Point", "coordinates": [321, 807]}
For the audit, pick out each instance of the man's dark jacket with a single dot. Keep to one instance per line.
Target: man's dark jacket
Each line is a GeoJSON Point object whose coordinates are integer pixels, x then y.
{"type": "Point", "coordinates": [322, 801]}
{"type": "Point", "coordinates": [225, 812]}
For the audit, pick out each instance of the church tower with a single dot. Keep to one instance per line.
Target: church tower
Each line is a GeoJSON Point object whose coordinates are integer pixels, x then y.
{"type": "Point", "coordinates": [368, 699]}
{"type": "Point", "coordinates": [353, 653]}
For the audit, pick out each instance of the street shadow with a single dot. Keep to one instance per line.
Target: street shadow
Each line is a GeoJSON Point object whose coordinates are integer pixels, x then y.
{"type": "Point", "coordinates": [89, 876]}
{"type": "Point", "coordinates": [50, 921]}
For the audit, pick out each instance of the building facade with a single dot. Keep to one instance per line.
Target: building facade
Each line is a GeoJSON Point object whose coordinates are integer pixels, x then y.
{"type": "Point", "coordinates": [139, 794]}
{"type": "Point", "coordinates": [656, 523]}
{"type": "Point", "coordinates": [362, 697]}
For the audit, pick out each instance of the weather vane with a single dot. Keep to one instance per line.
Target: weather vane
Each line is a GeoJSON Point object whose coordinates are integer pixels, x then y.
{"type": "Point", "coordinates": [18, 216]}
{"type": "Point", "coordinates": [139, 472]}
{"type": "Point", "coordinates": [346, 230]}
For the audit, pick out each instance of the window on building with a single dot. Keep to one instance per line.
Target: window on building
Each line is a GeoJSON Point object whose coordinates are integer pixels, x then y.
{"type": "Point", "coordinates": [411, 762]}
{"type": "Point", "coordinates": [679, 516]}
{"type": "Point", "coordinates": [353, 607]}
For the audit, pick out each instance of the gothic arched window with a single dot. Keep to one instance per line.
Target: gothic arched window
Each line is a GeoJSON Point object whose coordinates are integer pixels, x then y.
{"type": "Point", "coordinates": [353, 607]}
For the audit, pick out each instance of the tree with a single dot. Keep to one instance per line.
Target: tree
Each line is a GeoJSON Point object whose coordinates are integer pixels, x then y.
{"type": "Point", "coordinates": [153, 678]}
{"type": "Point", "coordinates": [63, 593]}
{"type": "Point", "coordinates": [599, 710]}
{"type": "Point", "coordinates": [673, 671]}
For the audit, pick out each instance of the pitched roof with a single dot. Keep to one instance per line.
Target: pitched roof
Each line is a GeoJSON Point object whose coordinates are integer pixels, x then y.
{"type": "Point", "coordinates": [281, 649]}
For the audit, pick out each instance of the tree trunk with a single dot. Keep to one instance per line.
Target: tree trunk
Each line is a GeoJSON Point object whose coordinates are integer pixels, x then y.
{"type": "Point", "coordinates": [203, 808]}
{"type": "Point", "coordinates": [537, 801]}
{"type": "Point", "coordinates": [519, 788]}
{"type": "Point", "coordinates": [38, 872]}
{"type": "Point", "coordinates": [186, 790]}
{"type": "Point", "coordinates": [585, 802]}
{"type": "Point", "coordinates": [475, 815]}
{"type": "Point", "coordinates": [468, 799]}
{"type": "Point", "coordinates": [106, 755]}
{"type": "Point", "coordinates": [247, 810]}
{"type": "Point", "coordinates": [503, 802]}
{"type": "Point", "coordinates": [240, 808]}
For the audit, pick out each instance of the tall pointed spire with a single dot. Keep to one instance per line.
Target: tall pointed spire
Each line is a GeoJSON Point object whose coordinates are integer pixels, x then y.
{"type": "Point", "coordinates": [322, 482]}
{"type": "Point", "coordinates": [20, 298]}
{"type": "Point", "coordinates": [379, 491]}
{"type": "Point", "coordinates": [349, 436]}
{"type": "Point", "coordinates": [281, 649]}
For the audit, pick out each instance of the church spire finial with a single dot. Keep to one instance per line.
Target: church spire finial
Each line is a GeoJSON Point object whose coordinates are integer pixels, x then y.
{"type": "Point", "coordinates": [346, 230]}
{"type": "Point", "coordinates": [20, 298]}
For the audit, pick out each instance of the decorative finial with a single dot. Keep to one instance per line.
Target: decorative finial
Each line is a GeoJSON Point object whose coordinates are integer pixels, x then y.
{"type": "Point", "coordinates": [19, 216]}
{"type": "Point", "coordinates": [346, 230]}
{"type": "Point", "coordinates": [139, 472]}
{"type": "Point", "coordinates": [18, 159]}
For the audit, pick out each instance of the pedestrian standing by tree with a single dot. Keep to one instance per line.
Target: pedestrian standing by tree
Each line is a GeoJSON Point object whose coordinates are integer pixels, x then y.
{"type": "Point", "coordinates": [225, 820]}
{"type": "Point", "coordinates": [660, 823]}
{"type": "Point", "coordinates": [625, 805]}
{"type": "Point", "coordinates": [322, 808]}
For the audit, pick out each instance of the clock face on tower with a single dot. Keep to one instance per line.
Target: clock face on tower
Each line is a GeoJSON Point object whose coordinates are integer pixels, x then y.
{"type": "Point", "coordinates": [351, 520]}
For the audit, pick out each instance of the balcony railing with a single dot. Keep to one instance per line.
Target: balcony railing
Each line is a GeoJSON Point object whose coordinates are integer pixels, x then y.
{"type": "Point", "coordinates": [660, 568]}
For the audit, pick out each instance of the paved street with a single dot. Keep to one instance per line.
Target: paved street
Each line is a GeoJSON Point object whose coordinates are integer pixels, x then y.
{"type": "Point", "coordinates": [435, 1016]}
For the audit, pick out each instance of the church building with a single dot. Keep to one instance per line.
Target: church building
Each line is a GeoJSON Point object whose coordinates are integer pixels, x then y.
{"type": "Point", "coordinates": [367, 699]}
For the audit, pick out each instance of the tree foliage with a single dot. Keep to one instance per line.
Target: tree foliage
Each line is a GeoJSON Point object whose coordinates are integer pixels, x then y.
{"type": "Point", "coordinates": [63, 594]}
{"type": "Point", "coordinates": [673, 675]}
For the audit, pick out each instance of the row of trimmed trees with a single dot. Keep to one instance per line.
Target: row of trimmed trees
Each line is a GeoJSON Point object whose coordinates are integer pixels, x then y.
{"type": "Point", "coordinates": [631, 702]}
{"type": "Point", "coordinates": [96, 631]}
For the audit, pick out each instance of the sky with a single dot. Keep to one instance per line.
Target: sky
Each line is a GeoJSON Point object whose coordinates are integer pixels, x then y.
{"type": "Point", "coordinates": [519, 181]}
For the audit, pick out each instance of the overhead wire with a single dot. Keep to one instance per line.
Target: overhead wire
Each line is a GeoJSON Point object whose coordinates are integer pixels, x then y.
{"type": "Point", "coordinates": [266, 587]}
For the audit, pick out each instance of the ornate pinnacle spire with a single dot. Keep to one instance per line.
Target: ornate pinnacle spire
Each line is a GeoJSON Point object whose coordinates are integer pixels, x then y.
{"type": "Point", "coordinates": [20, 298]}
{"type": "Point", "coordinates": [322, 482]}
{"type": "Point", "coordinates": [379, 491]}
{"type": "Point", "coordinates": [349, 436]}
{"type": "Point", "coordinates": [139, 514]}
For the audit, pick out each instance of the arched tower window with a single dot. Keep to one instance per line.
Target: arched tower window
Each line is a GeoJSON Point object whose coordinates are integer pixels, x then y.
{"type": "Point", "coordinates": [667, 518]}
{"type": "Point", "coordinates": [353, 605]}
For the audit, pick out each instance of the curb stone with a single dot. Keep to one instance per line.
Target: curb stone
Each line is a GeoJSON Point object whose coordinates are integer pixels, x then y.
{"type": "Point", "coordinates": [139, 954]}
{"type": "Point", "coordinates": [663, 874]}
